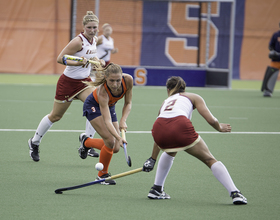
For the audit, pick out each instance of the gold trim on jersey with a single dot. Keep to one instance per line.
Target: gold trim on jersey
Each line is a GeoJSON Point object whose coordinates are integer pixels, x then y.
{"type": "Point", "coordinates": [170, 150]}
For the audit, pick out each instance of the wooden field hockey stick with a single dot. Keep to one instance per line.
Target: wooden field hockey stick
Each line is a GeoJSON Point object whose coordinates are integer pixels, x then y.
{"type": "Point", "coordinates": [127, 158]}
{"type": "Point", "coordinates": [75, 58]}
{"type": "Point", "coordinates": [60, 190]}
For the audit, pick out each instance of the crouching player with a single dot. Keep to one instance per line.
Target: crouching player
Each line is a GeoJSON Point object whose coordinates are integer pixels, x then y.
{"type": "Point", "coordinates": [174, 132]}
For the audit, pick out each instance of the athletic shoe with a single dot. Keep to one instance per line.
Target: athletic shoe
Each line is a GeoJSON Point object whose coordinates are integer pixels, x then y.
{"type": "Point", "coordinates": [267, 93]}
{"type": "Point", "coordinates": [33, 150]}
{"type": "Point", "coordinates": [154, 194]}
{"type": "Point", "coordinates": [81, 136]}
{"type": "Point", "coordinates": [238, 198]}
{"type": "Point", "coordinates": [91, 151]}
{"type": "Point", "coordinates": [106, 182]}
{"type": "Point", "coordinates": [82, 149]}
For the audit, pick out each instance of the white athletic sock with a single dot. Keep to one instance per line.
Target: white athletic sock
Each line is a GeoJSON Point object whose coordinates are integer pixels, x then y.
{"type": "Point", "coordinates": [90, 131]}
{"type": "Point", "coordinates": [42, 129]}
{"type": "Point", "coordinates": [221, 173]}
{"type": "Point", "coordinates": [164, 165]}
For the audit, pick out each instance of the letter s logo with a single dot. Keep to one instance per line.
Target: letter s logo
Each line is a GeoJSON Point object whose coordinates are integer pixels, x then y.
{"type": "Point", "coordinates": [183, 21]}
{"type": "Point", "coordinates": [140, 76]}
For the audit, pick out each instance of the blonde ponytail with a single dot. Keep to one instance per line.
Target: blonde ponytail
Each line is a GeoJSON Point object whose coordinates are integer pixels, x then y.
{"type": "Point", "coordinates": [102, 72]}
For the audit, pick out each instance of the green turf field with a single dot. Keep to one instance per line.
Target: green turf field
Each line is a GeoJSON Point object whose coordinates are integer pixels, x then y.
{"type": "Point", "coordinates": [251, 154]}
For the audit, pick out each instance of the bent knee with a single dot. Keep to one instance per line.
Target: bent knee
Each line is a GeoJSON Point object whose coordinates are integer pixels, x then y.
{"type": "Point", "coordinates": [109, 143]}
{"type": "Point", "coordinates": [116, 150]}
{"type": "Point", "coordinates": [54, 118]}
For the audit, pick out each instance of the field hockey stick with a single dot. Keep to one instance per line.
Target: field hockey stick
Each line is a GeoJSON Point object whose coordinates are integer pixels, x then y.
{"type": "Point", "coordinates": [75, 58]}
{"type": "Point", "coordinates": [128, 160]}
{"type": "Point", "coordinates": [60, 190]}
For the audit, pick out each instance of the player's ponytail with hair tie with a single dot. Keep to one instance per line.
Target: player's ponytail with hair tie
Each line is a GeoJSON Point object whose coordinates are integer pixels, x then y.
{"type": "Point", "coordinates": [175, 84]}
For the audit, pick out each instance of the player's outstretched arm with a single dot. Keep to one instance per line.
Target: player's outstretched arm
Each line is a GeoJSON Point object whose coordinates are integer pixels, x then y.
{"type": "Point", "coordinates": [150, 162]}
{"type": "Point", "coordinates": [203, 110]}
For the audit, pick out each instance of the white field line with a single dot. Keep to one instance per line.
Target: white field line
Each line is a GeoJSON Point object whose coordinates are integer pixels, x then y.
{"type": "Point", "coordinates": [139, 132]}
{"type": "Point", "coordinates": [143, 104]}
{"type": "Point", "coordinates": [238, 118]}
{"type": "Point", "coordinates": [156, 105]}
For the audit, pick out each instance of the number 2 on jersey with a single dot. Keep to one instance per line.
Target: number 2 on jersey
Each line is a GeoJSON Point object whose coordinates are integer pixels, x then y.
{"type": "Point", "coordinates": [170, 105]}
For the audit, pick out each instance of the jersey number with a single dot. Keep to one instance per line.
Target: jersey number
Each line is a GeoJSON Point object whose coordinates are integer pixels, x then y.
{"type": "Point", "coordinates": [170, 105]}
{"type": "Point", "coordinates": [93, 109]}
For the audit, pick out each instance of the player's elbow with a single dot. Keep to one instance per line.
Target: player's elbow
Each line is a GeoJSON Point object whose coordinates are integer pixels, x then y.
{"type": "Point", "coordinates": [59, 60]}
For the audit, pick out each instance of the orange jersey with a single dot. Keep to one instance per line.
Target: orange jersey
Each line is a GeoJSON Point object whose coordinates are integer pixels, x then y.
{"type": "Point", "coordinates": [112, 99]}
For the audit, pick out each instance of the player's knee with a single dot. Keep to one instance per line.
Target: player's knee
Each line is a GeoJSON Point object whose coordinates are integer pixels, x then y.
{"type": "Point", "coordinates": [54, 118]}
{"type": "Point", "coordinates": [110, 142]}
{"type": "Point", "coordinates": [116, 150]}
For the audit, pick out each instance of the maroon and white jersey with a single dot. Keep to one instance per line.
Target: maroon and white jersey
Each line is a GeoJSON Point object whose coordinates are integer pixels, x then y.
{"type": "Point", "coordinates": [88, 51]}
{"type": "Point", "coordinates": [104, 49]}
{"type": "Point", "coordinates": [173, 130]}
{"type": "Point", "coordinates": [176, 105]}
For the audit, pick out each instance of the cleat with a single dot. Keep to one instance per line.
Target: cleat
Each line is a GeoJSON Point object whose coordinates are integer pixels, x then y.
{"type": "Point", "coordinates": [106, 182]}
{"type": "Point", "coordinates": [266, 93]}
{"type": "Point", "coordinates": [81, 136]}
{"type": "Point", "coordinates": [238, 198]}
{"type": "Point", "coordinates": [33, 151]}
{"type": "Point", "coordinates": [91, 151]}
{"type": "Point", "coordinates": [154, 194]}
{"type": "Point", "coordinates": [82, 149]}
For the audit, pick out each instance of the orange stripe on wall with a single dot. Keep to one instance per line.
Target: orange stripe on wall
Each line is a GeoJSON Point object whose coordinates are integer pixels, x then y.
{"type": "Point", "coordinates": [126, 20]}
{"type": "Point", "coordinates": [32, 35]}
{"type": "Point", "coordinates": [260, 22]}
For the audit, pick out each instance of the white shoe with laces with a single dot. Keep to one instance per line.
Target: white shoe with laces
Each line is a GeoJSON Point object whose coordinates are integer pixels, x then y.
{"type": "Point", "coordinates": [154, 194]}
{"type": "Point", "coordinates": [238, 198]}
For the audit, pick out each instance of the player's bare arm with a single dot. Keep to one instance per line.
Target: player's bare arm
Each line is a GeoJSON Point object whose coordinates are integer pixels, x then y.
{"type": "Point", "coordinates": [99, 40]}
{"type": "Point", "coordinates": [155, 151]}
{"type": "Point", "coordinates": [71, 48]}
{"type": "Point", "coordinates": [115, 50]}
{"type": "Point", "coordinates": [127, 101]}
{"type": "Point", "coordinates": [203, 110]}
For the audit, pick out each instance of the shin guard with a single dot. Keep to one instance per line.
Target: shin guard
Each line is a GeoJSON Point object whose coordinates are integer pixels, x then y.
{"type": "Point", "coordinates": [270, 79]}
